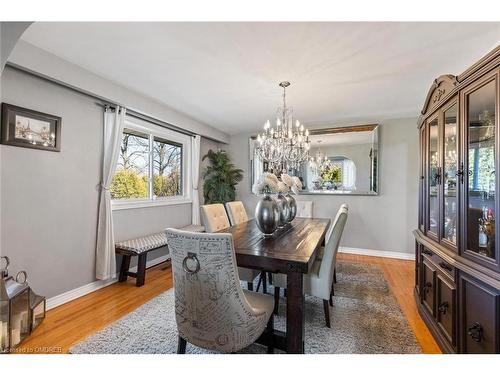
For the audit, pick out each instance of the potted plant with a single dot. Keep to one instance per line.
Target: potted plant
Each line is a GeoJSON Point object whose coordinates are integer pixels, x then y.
{"type": "Point", "coordinates": [220, 178]}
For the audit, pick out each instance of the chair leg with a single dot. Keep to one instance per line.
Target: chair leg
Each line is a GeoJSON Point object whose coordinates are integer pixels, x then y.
{"type": "Point", "coordinates": [335, 275]}
{"type": "Point", "coordinates": [276, 299]}
{"type": "Point", "coordinates": [259, 282]}
{"type": "Point", "coordinates": [181, 346]}
{"type": "Point", "coordinates": [264, 282]}
{"type": "Point", "coordinates": [250, 286]}
{"type": "Point", "coordinates": [270, 277]}
{"type": "Point", "coordinates": [284, 292]}
{"type": "Point", "coordinates": [327, 312]}
{"type": "Point", "coordinates": [141, 270]}
{"type": "Point", "coordinates": [124, 268]}
{"type": "Point", "coordinates": [270, 333]}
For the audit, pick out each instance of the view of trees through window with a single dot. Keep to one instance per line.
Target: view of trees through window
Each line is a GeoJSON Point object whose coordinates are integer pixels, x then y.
{"type": "Point", "coordinates": [133, 170]}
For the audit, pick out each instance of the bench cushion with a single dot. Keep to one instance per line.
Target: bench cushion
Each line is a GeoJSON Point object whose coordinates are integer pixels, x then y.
{"type": "Point", "coordinates": [142, 244]}
{"type": "Point", "coordinates": [153, 241]}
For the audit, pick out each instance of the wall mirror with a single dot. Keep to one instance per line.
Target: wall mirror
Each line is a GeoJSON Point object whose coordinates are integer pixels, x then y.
{"type": "Point", "coordinates": [343, 160]}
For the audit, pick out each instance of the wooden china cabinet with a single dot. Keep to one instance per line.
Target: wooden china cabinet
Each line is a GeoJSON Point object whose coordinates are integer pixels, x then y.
{"type": "Point", "coordinates": [457, 278]}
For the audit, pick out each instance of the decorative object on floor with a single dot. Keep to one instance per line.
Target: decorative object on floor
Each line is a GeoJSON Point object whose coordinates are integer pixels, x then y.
{"type": "Point", "coordinates": [365, 319]}
{"type": "Point", "coordinates": [267, 214]}
{"type": "Point", "coordinates": [21, 310]}
{"type": "Point", "coordinates": [212, 311]}
{"type": "Point", "coordinates": [284, 146]}
{"type": "Point", "coordinates": [221, 178]}
{"type": "Point", "coordinates": [24, 127]}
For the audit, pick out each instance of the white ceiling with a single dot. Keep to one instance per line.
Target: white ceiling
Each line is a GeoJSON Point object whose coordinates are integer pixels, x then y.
{"type": "Point", "coordinates": [227, 74]}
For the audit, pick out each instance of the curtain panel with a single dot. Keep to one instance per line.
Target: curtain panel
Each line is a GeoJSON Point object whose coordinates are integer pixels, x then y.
{"type": "Point", "coordinates": [195, 169]}
{"type": "Point", "coordinates": [105, 251]}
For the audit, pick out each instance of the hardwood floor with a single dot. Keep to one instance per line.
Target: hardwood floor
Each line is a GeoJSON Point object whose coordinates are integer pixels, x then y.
{"type": "Point", "coordinates": [72, 322]}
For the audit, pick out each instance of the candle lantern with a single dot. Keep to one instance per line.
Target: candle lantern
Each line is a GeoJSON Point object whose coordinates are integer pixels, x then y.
{"type": "Point", "coordinates": [38, 307]}
{"type": "Point", "coordinates": [15, 324]}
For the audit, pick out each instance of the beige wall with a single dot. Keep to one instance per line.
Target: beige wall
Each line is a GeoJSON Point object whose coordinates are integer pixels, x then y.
{"type": "Point", "coordinates": [382, 222]}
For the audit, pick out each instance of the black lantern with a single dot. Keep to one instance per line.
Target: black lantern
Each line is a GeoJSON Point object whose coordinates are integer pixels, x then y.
{"type": "Point", "coordinates": [15, 324]}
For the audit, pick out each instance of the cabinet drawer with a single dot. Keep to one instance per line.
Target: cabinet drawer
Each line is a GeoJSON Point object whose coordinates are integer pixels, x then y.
{"type": "Point", "coordinates": [445, 308]}
{"type": "Point", "coordinates": [439, 263]}
{"type": "Point", "coordinates": [428, 283]}
{"type": "Point", "coordinates": [479, 317]}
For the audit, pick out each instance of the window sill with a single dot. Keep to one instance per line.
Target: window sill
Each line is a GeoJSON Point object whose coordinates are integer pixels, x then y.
{"type": "Point", "coordinates": [128, 205]}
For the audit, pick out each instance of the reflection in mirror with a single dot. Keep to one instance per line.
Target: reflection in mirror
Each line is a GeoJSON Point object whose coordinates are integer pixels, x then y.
{"type": "Point", "coordinates": [342, 161]}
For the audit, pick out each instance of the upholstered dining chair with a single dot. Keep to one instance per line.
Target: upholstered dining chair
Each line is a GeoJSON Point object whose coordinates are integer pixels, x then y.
{"type": "Point", "coordinates": [304, 209]}
{"type": "Point", "coordinates": [319, 281]}
{"type": "Point", "coordinates": [215, 218]}
{"type": "Point", "coordinates": [212, 311]}
{"type": "Point", "coordinates": [236, 212]}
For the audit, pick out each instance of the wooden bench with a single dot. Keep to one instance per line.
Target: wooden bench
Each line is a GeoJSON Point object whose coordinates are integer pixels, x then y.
{"type": "Point", "coordinates": [140, 247]}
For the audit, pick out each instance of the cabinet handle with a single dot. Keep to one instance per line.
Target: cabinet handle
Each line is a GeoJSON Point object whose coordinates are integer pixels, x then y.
{"type": "Point", "coordinates": [460, 173]}
{"type": "Point", "coordinates": [445, 266]}
{"type": "Point", "coordinates": [427, 287]}
{"type": "Point", "coordinates": [442, 308]}
{"type": "Point", "coordinates": [475, 332]}
{"type": "Point", "coordinates": [426, 252]}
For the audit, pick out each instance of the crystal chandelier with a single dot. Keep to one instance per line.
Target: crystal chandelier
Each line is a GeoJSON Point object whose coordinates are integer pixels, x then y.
{"type": "Point", "coordinates": [287, 144]}
{"type": "Point", "coordinates": [319, 162]}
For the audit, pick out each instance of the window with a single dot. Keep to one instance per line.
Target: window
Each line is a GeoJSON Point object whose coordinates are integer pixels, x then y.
{"type": "Point", "coordinates": [152, 167]}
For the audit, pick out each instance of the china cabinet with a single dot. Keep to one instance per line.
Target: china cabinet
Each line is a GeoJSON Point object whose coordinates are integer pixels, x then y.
{"type": "Point", "coordinates": [457, 268]}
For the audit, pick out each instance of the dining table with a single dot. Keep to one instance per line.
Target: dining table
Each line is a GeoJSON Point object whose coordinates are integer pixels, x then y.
{"type": "Point", "coordinates": [291, 250]}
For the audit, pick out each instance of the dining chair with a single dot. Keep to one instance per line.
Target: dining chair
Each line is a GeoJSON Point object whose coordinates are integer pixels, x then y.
{"type": "Point", "coordinates": [305, 209]}
{"type": "Point", "coordinates": [215, 218]}
{"type": "Point", "coordinates": [319, 281]}
{"type": "Point", "coordinates": [236, 212]}
{"type": "Point", "coordinates": [212, 311]}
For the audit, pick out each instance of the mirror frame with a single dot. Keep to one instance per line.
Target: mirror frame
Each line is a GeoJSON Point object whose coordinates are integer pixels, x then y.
{"type": "Point", "coordinates": [333, 130]}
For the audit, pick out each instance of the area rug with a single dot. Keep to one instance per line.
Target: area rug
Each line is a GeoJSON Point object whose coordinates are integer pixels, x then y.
{"type": "Point", "coordinates": [365, 318]}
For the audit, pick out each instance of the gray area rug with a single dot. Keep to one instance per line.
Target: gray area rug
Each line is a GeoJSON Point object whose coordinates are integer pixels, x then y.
{"type": "Point", "coordinates": [365, 318]}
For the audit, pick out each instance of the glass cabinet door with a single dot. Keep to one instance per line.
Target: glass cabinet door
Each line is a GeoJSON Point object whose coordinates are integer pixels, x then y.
{"type": "Point", "coordinates": [421, 183]}
{"type": "Point", "coordinates": [450, 174]}
{"type": "Point", "coordinates": [481, 185]}
{"type": "Point", "coordinates": [434, 176]}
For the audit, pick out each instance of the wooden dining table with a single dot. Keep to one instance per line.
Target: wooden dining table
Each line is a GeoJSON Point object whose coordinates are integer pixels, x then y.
{"type": "Point", "coordinates": [291, 251]}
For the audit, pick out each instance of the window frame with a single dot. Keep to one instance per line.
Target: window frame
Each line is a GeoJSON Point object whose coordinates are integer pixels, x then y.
{"type": "Point", "coordinates": [152, 131]}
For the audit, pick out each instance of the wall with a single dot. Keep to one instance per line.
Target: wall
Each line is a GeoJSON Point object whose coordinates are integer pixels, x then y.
{"type": "Point", "coordinates": [382, 222]}
{"type": "Point", "coordinates": [49, 200]}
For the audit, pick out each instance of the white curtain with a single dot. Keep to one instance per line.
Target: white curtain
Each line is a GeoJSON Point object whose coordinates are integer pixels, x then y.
{"type": "Point", "coordinates": [348, 175]}
{"type": "Point", "coordinates": [195, 169]}
{"type": "Point", "coordinates": [105, 253]}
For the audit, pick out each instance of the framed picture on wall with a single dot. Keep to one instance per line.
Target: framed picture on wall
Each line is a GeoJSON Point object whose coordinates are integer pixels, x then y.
{"type": "Point", "coordinates": [24, 127]}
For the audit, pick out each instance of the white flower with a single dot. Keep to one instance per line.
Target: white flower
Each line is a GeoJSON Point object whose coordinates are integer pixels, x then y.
{"type": "Point", "coordinates": [287, 179]}
{"type": "Point", "coordinates": [282, 187]}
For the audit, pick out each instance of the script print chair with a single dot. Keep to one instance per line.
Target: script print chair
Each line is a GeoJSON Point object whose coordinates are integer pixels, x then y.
{"type": "Point", "coordinates": [212, 311]}
{"type": "Point", "coordinates": [215, 218]}
{"type": "Point", "coordinates": [319, 281]}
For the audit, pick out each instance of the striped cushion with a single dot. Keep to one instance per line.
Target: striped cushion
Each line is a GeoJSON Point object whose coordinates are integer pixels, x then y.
{"type": "Point", "coordinates": [151, 242]}
{"type": "Point", "coordinates": [142, 244]}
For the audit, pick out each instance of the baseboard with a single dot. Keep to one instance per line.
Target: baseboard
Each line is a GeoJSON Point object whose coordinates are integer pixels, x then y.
{"type": "Point", "coordinates": [377, 253]}
{"type": "Point", "coordinates": [93, 286]}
